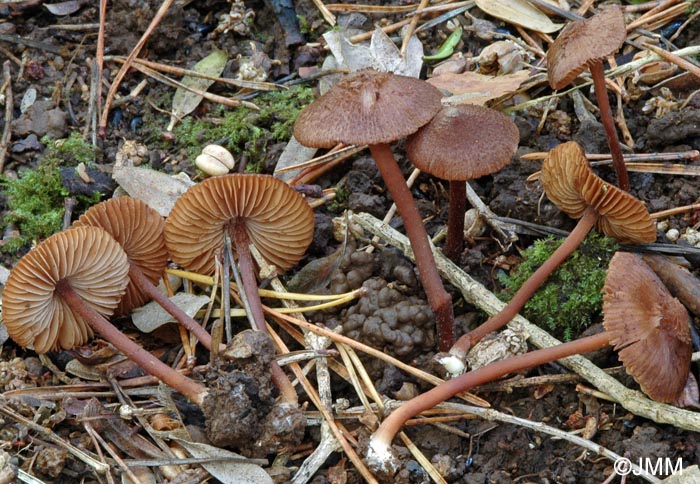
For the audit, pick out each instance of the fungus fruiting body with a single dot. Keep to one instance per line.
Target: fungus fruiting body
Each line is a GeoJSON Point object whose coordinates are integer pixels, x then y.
{"type": "Point", "coordinates": [375, 109]}
{"type": "Point", "coordinates": [139, 230]}
{"type": "Point", "coordinates": [61, 291]}
{"type": "Point", "coordinates": [583, 44]}
{"type": "Point", "coordinates": [462, 143]}
{"type": "Point", "coordinates": [571, 185]}
{"type": "Point", "coordinates": [642, 320]}
{"type": "Point", "coordinates": [254, 210]}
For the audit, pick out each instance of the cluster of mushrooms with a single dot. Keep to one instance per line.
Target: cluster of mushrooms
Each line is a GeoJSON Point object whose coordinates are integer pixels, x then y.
{"type": "Point", "coordinates": [64, 289]}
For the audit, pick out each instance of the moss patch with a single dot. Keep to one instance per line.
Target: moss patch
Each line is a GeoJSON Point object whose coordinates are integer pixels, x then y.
{"type": "Point", "coordinates": [570, 300]}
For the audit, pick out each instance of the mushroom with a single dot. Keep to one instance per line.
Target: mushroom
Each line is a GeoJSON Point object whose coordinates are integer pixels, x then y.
{"type": "Point", "coordinates": [377, 108]}
{"type": "Point", "coordinates": [573, 187]}
{"type": "Point", "coordinates": [462, 143]}
{"type": "Point", "coordinates": [641, 319]}
{"type": "Point", "coordinates": [62, 290]}
{"type": "Point", "coordinates": [251, 209]}
{"type": "Point", "coordinates": [139, 230]}
{"type": "Point", "coordinates": [584, 44]}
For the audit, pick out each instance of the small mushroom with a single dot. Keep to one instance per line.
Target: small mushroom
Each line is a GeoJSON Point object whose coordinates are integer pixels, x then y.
{"type": "Point", "coordinates": [215, 160]}
{"type": "Point", "coordinates": [571, 185]}
{"type": "Point", "coordinates": [377, 108]}
{"type": "Point", "coordinates": [462, 143]}
{"type": "Point", "coordinates": [584, 44]}
{"type": "Point", "coordinates": [642, 320]}
{"type": "Point", "coordinates": [62, 290]}
{"type": "Point", "coordinates": [252, 209]}
{"type": "Point", "coordinates": [139, 230]}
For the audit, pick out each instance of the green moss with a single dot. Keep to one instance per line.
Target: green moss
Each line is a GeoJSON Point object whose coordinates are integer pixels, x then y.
{"type": "Point", "coordinates": [70, 151]}
{"type": "Point", "coordinates": [570, 300]}
{"type": "Point", "coordinates": [35, 203]}
{"type": "Point", "coordinates": [247, 132]}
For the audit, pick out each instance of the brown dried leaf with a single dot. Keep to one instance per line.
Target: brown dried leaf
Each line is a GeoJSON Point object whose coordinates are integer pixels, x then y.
{"type": "Point", "coordinates": [474, 88]}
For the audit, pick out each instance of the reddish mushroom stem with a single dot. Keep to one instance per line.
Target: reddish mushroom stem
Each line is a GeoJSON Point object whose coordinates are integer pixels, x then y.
{"type": "Point", "coordinates": [523, 295]}
{"type": "Point", "coordinates": [240, 239]}
{"type": "Point", "coordinates": [381, 439]}
{"type": "Point", "coordinates": [152, 365]}
{"type": "Point", "coordinates": [438, 298]}
{"type": "Point", "coordinates": [606, 117]}
{"type": "Point", "coordinates": [138, 278]}
{"type": "Point", "coordinates": [455, 220]}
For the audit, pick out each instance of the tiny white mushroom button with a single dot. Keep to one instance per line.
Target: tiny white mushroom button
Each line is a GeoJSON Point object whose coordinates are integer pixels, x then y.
{"type": "Point", "coordinates": [215, 160]}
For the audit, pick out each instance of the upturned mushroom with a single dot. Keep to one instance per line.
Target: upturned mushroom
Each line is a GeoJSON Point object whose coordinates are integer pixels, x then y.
{"type": "Point", "coordinates": [642, 320]}
{"type": "Point", "coordinates": [251, 209]}
{"type": "Point", "coordinates": [139, 230]}
{"type": "Point", "coordinates": [584, 44]}
{"type": "Point", "coordinates": [62, 290]}
{"type": "Point", "coordinates": [573, 187]}
{"type": "Point", "coordinates": [462, 143]}
{"type": "Point", "coordinates": [377, 108]}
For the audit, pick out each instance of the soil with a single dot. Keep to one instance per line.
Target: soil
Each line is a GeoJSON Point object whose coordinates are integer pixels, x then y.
{"type": "Point", "coordinates": [393, 317]}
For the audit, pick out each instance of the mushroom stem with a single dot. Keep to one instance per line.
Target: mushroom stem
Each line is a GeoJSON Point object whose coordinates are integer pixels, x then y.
{"type": "Point", "coordinates": [606, 117]}
{"type": "Point", "coordinates": [438, 298]}
{"type": "Point", "coordinates": [240, 239]}
{"type": "Point", "coordinates": [455, 220]}
{"type": "Point", "coordinates": [574, 239]}
{"type": "Point", "coordinates": [379, 447]}
{"type": "Point", "coordinates": [152, 365]}
{"type": "Point", "coordinates": [138, 278]}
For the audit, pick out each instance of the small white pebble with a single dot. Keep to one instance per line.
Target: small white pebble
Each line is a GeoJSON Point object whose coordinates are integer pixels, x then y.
{"type": "Point", "coordinates": [662, 226]}
{"type": "Point", "coordinates": [673, 235]}
{"type": "Point", "coordinates": [692, 236]}
{"type": "Point", "coordinates": [215, 160]}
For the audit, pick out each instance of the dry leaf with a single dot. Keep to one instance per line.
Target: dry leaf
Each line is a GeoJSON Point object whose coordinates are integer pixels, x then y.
{"type": "Point", "coordinates": [184, 101]}
{"type": "Point", "coordinates": [519, 12]}
{"type": "Point", "coordinates": [158, 190]}
{"type": "Point", "coordinates": [152, 316]}
{"type": "Point", "coordinates": [474, 88]}
{"type": "Point", "coordinates": [228, 468]}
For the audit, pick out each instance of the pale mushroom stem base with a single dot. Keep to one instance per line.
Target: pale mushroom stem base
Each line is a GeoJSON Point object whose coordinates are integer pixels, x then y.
{"type": "Point", "coordinates": [606, 117]}
{"type": "Point", "coordinates": [240, 239]}
{"type": "Point", "coordinates": [523, 295]}
{"type": "Point", "coordinates": [152, 365]}
{"type": "Point", "coordinates": [379, 453]}
{"type": "Point", "coordinates": [138, 278]}
{"type": "Point", "coordinates": [455, 220]}
{"type": "Point", "coordinates": [439, 299]}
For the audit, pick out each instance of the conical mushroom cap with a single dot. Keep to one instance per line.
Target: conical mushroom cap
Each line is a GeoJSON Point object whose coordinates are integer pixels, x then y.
{"type": "Point", "coordinates": [367, 107]}
{"type": "Point", "coordinates": [139, 230]}
{"type": "Point", "coordinates": [572, 186]}
{"type": "Point", "coordinates": [464, 142]}
{"type": "Point", "coordinates": [277, 219]}
{"type": "Point", "coordinates": [95, 266]}
{"type": "Point", "coordinates": [648, 327]}
{"type": "Point", "coordinates": [583, 42]}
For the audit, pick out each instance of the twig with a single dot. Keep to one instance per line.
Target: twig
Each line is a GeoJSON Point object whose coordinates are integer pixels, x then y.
{"type": "Point", "coordinates": [129, 60]}
{"type": "Point", "coordinates": [475, 293]}
{"type": "Point", "coordinates": [412, 26]}
{"type": "Point", "coordinates": [675, 59]}
{"type": "Point", "coordinates": [9, 106]}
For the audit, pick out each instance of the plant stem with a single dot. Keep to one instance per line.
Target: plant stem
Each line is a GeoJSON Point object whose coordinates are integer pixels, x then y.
{"type": "Point", "coordinates": [152, 365]}
{"type": "Point", "coordinates": [439, 299]}
{"type": "Point", "coordinates": [523, 295]}
{"type": "Point", "coordinates": [250, 287]}
{"type": "Point", "coordinates": [138, 278]}
{"type": "Point", "coordinates": [606, 117]}
{"type": "Point", "coordinates": [381, 439]}
{"type": "Point", "coordinates": [455, 220]}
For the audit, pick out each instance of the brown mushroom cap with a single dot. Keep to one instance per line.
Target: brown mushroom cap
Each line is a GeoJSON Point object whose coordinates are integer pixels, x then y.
{"type": "Point", "coordinates": [139, 230]}
{"type": "Point", "coordinates": [583, 42]}
{"type": "Point", "coordinates": [648, 327]}
{"type": "Point", "coordinates": [464, 142]}
{"type": "Point", "coordinates": [97, 269]}
{"type": "Point", "coordinates": [277, 219]}
{"type": "Point", "coordinates": [572, 186]}
{"type": "Point", "coordinates": [367, 107]}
